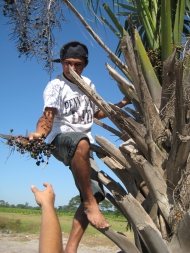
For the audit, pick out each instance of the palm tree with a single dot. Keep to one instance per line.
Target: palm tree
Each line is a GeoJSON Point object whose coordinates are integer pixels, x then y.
{"type": "Point", "coordinates": [153, 160]}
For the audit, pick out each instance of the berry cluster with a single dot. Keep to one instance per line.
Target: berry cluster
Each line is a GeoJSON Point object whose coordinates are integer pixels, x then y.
{"type": "Point", "coordinates": [33, 23]}
{"type": "Point", "coordinates": [38, 149]}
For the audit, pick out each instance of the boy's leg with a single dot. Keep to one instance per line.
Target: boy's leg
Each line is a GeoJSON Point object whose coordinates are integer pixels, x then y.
{"type": "Point", "coordinates": [81, 169]}
{"type": "Point", "coordinates": [80, 223]}
{"type": "Point", "coordinates": [73, 150]}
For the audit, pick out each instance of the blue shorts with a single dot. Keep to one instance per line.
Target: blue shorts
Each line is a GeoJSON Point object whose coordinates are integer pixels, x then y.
{"type": "Point", "coordinates": [65, 146]}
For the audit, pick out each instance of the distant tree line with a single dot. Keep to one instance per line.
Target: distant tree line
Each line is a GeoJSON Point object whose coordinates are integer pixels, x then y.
{"type": "Point", "coordinates": [105, 206]}
{"type": "Point", "coordinates": [20, 206]}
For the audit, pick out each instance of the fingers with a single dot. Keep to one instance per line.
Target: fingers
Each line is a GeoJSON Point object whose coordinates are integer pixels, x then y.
{"type": "Point", "coordinates": [47, 185]}
{"type": "Point", "coordinates": [31, 136]}
{"type": "Point", "coordinates": [45, 196]}
{"type": "Point", "coordinates": [126, 100]}
{"type": "Point", "coordinates": [33, 188]}
{"type": "Point", "coordinates": [34, 136]}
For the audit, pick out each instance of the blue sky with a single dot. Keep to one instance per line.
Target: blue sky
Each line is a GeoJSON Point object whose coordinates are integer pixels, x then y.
{"type": "Point", "coordinates": [21, 104]}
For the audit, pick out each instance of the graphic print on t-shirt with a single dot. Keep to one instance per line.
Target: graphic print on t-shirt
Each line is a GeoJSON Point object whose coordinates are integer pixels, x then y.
{"type": "Point", "coordinates": [81, 109]}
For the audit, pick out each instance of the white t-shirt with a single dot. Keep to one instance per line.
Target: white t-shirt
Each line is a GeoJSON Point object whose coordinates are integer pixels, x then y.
{"type": "Point", "coordinates": [75, 111]}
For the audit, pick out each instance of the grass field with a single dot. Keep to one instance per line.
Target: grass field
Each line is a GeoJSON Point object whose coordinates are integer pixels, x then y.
{"type": "Point", "coordinates": [22, 224]}
{"type": "Point", "coordinates": [30, 223]}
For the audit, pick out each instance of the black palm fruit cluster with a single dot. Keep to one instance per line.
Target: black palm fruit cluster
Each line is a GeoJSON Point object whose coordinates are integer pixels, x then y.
{"type": "Point", "coordinates": [38, 149]}
{"type": "Point", "coordinates": [32, 23]}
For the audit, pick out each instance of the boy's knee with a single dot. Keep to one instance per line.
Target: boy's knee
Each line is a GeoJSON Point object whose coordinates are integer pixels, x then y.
{"type": "Point", "coordinates": [83, 146]}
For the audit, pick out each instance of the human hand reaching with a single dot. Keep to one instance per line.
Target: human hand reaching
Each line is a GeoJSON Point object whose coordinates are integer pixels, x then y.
{"type": "Point", "coordinates": [45, 197]}
{"type": "Point", "coordinates": [50, 232]}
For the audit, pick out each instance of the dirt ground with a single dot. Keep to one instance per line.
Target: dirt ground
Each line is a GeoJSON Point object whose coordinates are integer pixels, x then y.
{"type": "Point", "coordinates": [23, 243]}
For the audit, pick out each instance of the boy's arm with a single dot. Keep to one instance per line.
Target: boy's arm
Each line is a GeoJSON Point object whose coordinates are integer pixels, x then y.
{"type": "Point", "coordinates": [100, 114]}
{"type": "Point", "coordinates": [50, 233]}
{"type": "Point", "coordinates": [44, 124]}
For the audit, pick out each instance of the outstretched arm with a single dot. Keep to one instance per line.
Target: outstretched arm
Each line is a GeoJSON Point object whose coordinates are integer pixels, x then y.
{"type": "Point", "coordinates": [50, 234]}
{"type": "Point", "coordinates": [100, 114]}
{"type": "Point", "coordinates": [44, 124]}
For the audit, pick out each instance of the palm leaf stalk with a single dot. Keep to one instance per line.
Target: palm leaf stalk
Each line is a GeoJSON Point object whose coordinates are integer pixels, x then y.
{"type": "Point", "coordinates": [148, 71]}
{"type": "Point", "coordinates": [166, 29]}
{"type": "Point", "coordinates": [114, 19]}
{"type": "Point", "coordinates": [179, 23]}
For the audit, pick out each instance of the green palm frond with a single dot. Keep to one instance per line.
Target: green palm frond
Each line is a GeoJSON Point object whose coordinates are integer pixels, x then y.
{"type": "Point", "coordinates": [111, 28]}
{"type": "Point", "coordinates": [118, 49]}
{"type": "Point", "coordinates": [127, 13]}
{"type": "Point", "coordinates": [166, 29]}
{"type": "Point", "coordinates": [142, 14]}
{"type": "Point", "coordinates": [128, 7]}
{"type": "Point", "coordinates": [114, 19]}
{"type": "Point", "coordinates": [179, 23]}
{"type": "Point", "coordinates": [148, 71]}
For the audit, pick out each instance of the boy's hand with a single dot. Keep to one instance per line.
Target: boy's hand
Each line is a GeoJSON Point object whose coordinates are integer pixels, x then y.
{"type": "Point", "coordinates": [35, 135]}
{"type": "Point", "coordinates": [125, 101]}
{"type": "Point", "coordinates": [45, 197]}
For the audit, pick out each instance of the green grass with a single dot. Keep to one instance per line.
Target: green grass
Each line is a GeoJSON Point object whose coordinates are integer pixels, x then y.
{"type": "Point", "coordinates": [19, 210]}
{"type": "Point", "coordinates": [18, 224]}
{"type": "Point", "coordinates": [30, 223]}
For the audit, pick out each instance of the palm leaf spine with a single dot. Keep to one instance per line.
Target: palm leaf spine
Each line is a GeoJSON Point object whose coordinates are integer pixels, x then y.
{"type": "Point", "coordinates": [179, 22]}
{"type": "Point", "coordinates": [114, 19]}
{"type": "Point", "coordinates": [148, 24]}
{"type": "Point", "coordinates": [148, 71]}
{"type": "Point", "coordinates": [166, 29]}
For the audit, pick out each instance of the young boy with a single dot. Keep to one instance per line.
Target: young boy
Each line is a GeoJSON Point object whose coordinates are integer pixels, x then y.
{"type": "Point", "coordinates": [67, 120]}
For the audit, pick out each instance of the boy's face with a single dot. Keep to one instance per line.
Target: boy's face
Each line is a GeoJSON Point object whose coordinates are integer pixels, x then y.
{"type": "Point", "coordinates": [77, 65]}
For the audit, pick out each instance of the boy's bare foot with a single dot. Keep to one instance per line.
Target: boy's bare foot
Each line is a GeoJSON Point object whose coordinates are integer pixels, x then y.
{"type": "Point", "coordinates": [94, 216]}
